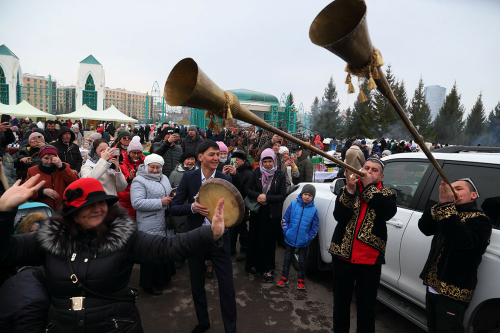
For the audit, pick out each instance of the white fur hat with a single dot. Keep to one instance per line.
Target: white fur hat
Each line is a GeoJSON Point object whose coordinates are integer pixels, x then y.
{"type": "Point", "coordinates": [154, 158]}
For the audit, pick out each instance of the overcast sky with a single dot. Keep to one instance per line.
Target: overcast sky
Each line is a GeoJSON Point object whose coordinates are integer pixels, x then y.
{"type": "Point", "coordinates": [257, 45]}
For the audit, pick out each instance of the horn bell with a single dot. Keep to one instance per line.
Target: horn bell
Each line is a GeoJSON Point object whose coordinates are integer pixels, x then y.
{"type": "Point", "coordinates": [188, 85]}
{"type": "Point", "coordinates": [341, 28]}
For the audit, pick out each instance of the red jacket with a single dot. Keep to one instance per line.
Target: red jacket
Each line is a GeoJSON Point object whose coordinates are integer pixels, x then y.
{"type": "Point", "coordinates": [124, 196]}
{"type": "Point", "coordinates": [58, 181]}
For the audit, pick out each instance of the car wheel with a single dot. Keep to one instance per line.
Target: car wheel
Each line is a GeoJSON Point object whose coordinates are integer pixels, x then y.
{"type": "Point", "coordinates": [313, 258]}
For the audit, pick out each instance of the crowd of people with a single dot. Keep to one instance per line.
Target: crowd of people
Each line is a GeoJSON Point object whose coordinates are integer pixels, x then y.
{"type": "Point", "coordinates": [117, 205]}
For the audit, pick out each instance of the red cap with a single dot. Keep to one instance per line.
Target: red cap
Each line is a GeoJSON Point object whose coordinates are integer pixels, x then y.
{"type": "Point", "coordinates": [100, 129]}
{"type": "Point", "coordinates": [84, 192]}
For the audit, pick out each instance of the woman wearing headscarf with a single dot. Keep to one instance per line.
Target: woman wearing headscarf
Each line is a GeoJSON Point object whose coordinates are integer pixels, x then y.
{"type": "Point", "coordinates": [150, 197]}
{"type": "Point", "coordinates": [28, 155]}
{"type": "Point", "coordinates": [92, 137]}
{"type": "Point", "coordinates": [56, 174]}
{"type": "Point", "coordinates": [89, 249]}
{"type": "Point", "coordinates": [267, 185]}
{"type": "Point", "coordinates": [103, 166]}
{"type": "Point", "coordinates": [131, 163]}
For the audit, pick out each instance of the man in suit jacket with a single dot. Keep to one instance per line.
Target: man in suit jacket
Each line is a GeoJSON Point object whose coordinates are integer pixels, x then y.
{"type": "Point", "coordinates": [189, 186]}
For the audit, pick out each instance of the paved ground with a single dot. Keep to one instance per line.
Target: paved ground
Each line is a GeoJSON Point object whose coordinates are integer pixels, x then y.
{"type": "Point", "coordinates": [262, 307]}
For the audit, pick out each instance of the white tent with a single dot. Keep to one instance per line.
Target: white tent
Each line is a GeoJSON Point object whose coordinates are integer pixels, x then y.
{"type": "Point", "coordinates": [84, 113]}
{"type": "Point", "coordinates": [110, 114]}
{"type": "Point", "coordinates": [114, 114]}
{"type": "Point", "coordinates": [23, 110]}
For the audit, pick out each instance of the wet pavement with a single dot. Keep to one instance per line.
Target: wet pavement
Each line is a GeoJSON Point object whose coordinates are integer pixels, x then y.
{"type": "Point", "coordinates": [262, 307]}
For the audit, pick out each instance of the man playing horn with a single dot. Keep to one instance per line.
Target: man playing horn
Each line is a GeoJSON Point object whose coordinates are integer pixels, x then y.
{"type": "Point", "coordinates": [362, 209]}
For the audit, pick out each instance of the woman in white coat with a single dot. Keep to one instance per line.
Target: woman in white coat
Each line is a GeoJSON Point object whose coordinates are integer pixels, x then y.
{"type": "Point", "coordinates": [150, 197]}
{"type": "Point", "coordinates": [104, 167]}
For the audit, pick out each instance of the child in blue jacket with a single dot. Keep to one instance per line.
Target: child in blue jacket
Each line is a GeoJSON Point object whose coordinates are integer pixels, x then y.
{"type": "Point", "coordinates": [300, 226]}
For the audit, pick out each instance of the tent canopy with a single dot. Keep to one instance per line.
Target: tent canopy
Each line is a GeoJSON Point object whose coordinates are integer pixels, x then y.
{"type": "Point", "coordinates": [23, 110]}
{"type": "Point", "coordinates": [110, 114]}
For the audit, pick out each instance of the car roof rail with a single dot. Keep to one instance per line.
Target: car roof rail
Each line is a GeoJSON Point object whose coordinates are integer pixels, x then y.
{"type": "Point", "coordinates": [467, 149]}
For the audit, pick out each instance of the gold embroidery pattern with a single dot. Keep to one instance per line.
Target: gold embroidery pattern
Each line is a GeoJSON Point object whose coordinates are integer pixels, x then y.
{"type": "Point", "coordinates": [459, 294]}
{"type": "Point", "coordinates": [345, 248]}
{"type": "Point", "coordinates": [469, 215]}
{"type": "Point", "coordinates": [386, 192]}
{"type": "Point", "coordinates": [345, 200]}
{"type": "Point", "coordinates": [369, 192]}
{"type": "Point", "coordinates": [441, 212]}
{"type": "Point", "coordinates": [365, 232]}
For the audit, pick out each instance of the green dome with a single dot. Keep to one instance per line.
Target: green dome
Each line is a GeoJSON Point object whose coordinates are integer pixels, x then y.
{"type": "Point", "coordinates": [254, 96]}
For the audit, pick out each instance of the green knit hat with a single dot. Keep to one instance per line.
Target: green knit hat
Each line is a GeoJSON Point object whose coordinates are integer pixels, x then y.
{"type": "Point", "coordinates": [121, 134]}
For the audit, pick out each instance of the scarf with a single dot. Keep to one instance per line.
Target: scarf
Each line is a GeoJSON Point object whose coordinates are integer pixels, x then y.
{"type": "Point", "coordinates": [267, 175]}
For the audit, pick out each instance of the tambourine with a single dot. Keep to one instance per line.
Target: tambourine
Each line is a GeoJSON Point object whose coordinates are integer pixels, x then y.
{"type": "Point", "coordinates": [216, 188]}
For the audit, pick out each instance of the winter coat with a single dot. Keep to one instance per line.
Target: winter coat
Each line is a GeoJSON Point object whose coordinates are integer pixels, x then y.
{"type": "Point", "coordinates": [111, 129]}
{"type": "Point", "coordinates": [306, 168]}
{"type": "Point", "coordinates": [56, 179]}
{"type": "Point", "coordinates": [171, 155]}
{"type": "Point", "coordinates": [124, 196]}
{"type": "Point", "coordinates": [78, 138]}
{"type": "Point", "coordinates": [51, 136]}
{"type": "Point", "coordinates": [112, 180]}
{"type": "Point", "coordinates": [69, 153]}
{"type": "Point", "coordinates": [347, 145]}
{"type": "Point", "coordinates": [188, 144]}
{"type": "Point", "coordinates": [103, 259]}
{"type": "Point", "coordinates": [22, 168]}
{"type": "Point", "coordinates": [9, 169]}
{"type": "Point", "coordinates": [366, 152]}
{"type": "Point", "coordinates": [300, 223]}
{"type": "Point", "coordinates": [245, 171]}
{"type": "Point", "coordinates": [355, 157]}
{"type": "Point", "coordinates": [276, 193]}
{"type": "Point", "coordinates": [289, 173]}
{"type": "Point", "coordinates": [24, 303]}
{"type": "Point", "coordinates": [145, 194]}
{"type": "Point", "coordinates": [6, 138]}
{"type": "Point", "coordinates": [176, 175]}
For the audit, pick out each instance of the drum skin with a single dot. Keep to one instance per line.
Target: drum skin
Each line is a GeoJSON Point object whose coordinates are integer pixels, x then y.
{"type": "Point", "coordinates": [213, 190]}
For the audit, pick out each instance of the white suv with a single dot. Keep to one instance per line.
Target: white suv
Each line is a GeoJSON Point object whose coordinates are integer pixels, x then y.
{"type": "Point", "coordinates": [415, 182]}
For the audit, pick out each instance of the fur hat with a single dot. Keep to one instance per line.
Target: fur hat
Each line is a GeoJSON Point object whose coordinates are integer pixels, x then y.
{"type": "Point", "coordinates": [187, 154]}
{"type": "Point", "coordinates": [134, 146]}
{"type": "Point", "coordinates": [240, 154]}
{"type": "Point", "coordinates": [154, 158]}
{"type": "Point", "coordinates": [25, 224]}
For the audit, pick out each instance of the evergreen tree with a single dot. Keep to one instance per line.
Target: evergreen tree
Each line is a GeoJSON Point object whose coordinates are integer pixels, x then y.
{"type": "Point", "coordinates": [364, 123]}
{"type": "Point", "coordinates": [420, 113]}
{"type": "Point", "coordinates": [494, 126]}
{"type": "Point", "coordinates": [291, 101]}
{"type": "Point", "coordinates": [328, 121]}
{"type": "Point", "coordinates": [385, 115]}
{"type": "Point", "coordinates": [448, 124]}
{"type": "Point", "coordinates": [474, 128]}
{"type": "Point", "coordinates": [348, 124]}
{"type": "Point", "coordinates": [315, 108]}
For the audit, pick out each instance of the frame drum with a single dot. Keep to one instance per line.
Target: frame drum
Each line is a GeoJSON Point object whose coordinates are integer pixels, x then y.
{"type": "Point", "coordinates": [216, 188]}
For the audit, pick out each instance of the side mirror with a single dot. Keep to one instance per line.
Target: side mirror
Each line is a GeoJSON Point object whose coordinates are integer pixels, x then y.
{"type": "Point", "coordinates": [337, 185]}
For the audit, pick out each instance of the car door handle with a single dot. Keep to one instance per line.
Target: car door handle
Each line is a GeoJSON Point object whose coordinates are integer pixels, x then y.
{"type": "Point", "coordinates": [397, 224]}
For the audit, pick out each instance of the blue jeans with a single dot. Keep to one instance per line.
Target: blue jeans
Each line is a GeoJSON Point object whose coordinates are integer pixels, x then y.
{"type": "Point", "coordinates": [302, 252]}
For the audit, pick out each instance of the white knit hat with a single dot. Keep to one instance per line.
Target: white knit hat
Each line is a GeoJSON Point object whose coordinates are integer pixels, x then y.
{"type": "Point", "coordinates": [154, 158]}
{"type": "Point", "coordinates": [136, 138]}
{"type": "Point", "coordinates": [283, 149]}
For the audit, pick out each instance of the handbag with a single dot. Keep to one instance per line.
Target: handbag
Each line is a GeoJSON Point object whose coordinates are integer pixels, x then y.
{"type": "Point", "coordinates": [253, 204]}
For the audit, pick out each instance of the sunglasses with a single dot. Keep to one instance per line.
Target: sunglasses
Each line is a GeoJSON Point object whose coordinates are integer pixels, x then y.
{"type": "Point", "coordinates": [135, 153]}
{"type": "Point", "coordinates": [468, 180]}
{"type": "Point", "coordinates": [126, 138]}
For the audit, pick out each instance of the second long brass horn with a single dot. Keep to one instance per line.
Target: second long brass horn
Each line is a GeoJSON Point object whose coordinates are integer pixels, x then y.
{"type": "Point", "coordinates": [188, 85]}
{"type": "Point", "coordinates": [341, 28]}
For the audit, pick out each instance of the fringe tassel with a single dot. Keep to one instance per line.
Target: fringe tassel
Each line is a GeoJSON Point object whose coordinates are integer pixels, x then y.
{"type": "Point", "coordinates": [223, 123]}
{"type": "Point", "coordinates": [375, 73]}
{"type": "Point", "coordinates": [348, 78]}
{"type": "Point", "coordinates": [347, 68]}
{"type": "Point", "coordinates": [229, 115]}
{"type": "Point", "coordinates": [351, 88]}
{"type": "Point", "coordinates": [371, 83]}
{"type": "Point", "coordinates": [362, 96]}
{"type": "Point", "coordinates": [207, 114]}
{"type": "Point", "coordinates": [211, 124]}
{"type": "Point", "coordinates": [217, 128]}
{"type": "Point", "coordinates": [378, 59]}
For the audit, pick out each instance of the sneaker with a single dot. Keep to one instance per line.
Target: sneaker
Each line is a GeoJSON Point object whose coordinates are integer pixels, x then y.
{"type": "Point", "coordinates": [210, 272]}
{"type": "Point", "coordinates": [282, 282]}
{"type": "Point", "coordinates": [301, 284]}
{"type": "Point", "coordinates": [268, 277]}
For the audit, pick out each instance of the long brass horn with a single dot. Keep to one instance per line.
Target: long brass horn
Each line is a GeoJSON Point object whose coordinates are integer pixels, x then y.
{"type": "Point", "coordinates": [341, 28]}
{"type": "Point", "coordinates": [188, 85]}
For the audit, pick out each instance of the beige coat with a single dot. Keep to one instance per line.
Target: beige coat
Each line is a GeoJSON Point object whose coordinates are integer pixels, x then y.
{"type": "Point", "coordinates": [112, 181]}
{"type": "Point", "coordinates": [355, 157]}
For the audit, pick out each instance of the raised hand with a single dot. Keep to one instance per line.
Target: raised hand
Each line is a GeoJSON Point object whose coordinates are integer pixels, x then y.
{"type": "Point", "coordinates": [350, 181]}
{"type": "Point", "coordinates": [218, 220]}
{"type": "Point", "coordinates": [19, 194]}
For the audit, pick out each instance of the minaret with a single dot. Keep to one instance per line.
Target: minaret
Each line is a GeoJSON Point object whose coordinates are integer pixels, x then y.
{"type": "Point", "coordinates": [90, 84]}
{"type": "Point", "coordinates": [11, 77]}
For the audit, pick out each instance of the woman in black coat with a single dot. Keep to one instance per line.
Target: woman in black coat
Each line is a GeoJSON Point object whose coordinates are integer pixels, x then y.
{"type": "Point", "coordinates": [267, 185]}
{"type": "Point", "coordinates": [88, 250]}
